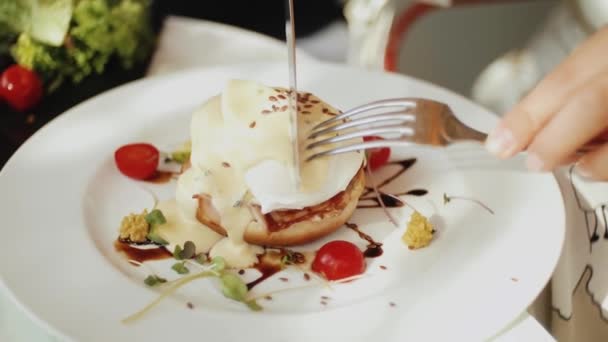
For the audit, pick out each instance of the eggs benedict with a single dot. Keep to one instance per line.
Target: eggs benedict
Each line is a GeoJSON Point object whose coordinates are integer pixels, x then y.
{"type": "Point", "coordinates": [239, 183]}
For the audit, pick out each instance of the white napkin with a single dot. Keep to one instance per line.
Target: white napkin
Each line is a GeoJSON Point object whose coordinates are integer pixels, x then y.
{"type": "Point", "coordinates": [191, 43]}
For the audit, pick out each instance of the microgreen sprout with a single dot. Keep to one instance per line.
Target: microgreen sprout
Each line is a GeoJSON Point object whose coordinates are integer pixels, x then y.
{"type": "Point", "coordinates": [153, 280]}
{"type": "Point", "coordinates": [447, 199]}
{"type": "Point", "coordinates": [156, 217]}
{"type": "Point", "coordinates": [218, 264]}
{"type": "Point", "coordinates": [201, 258]}
{"type": "Point", "coordinates": [189, 250]}
{"type": "Point", "coordinates": [378, 195]}
{"type": "Point", "coordinates": [286, 260]}
{"type": "Point", "coordinates": [180, 268]}
{"type": "Point", "coordinates": [233, 287]}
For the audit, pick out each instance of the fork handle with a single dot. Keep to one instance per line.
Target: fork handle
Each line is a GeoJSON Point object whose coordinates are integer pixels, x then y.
{"type": "Point", "coordinates": [454, 130]}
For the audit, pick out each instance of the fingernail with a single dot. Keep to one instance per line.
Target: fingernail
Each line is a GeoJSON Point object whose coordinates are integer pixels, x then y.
{"type": "Point", "coordinates": [534, 163]}
{"type": "Point", "coordinates": [582, 171]}
{"type": "Point", "coordinates": [500, 141]}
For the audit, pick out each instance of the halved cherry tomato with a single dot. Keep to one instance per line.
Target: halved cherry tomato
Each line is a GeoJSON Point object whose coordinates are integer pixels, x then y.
{"type": "Point", "coordinates": [139, 161]}
{"type": "Point", "coordinates": [20, 87]}
{"type": "Point", "coordinates": [377, 157]}
{"type": "Point", "coordinates": [338, 260]}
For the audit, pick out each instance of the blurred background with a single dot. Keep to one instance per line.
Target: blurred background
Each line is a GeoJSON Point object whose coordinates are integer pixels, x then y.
{"type": "Point", "coordinates": [491, 51]}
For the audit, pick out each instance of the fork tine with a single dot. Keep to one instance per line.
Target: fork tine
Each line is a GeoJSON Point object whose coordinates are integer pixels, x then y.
{"type": "Point", "coordinates": [361, 146]}
{"type": "Point", "coordinates": [403, 131]}
{"type": "Point", "coordinates": [375, 119]}
{"type": "Point", "coordinates": [402, 102]}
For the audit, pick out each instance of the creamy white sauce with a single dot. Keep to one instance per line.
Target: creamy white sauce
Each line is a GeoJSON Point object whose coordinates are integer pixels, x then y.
{"type": "Point", "coordinates": [181, 228]}
{"type": "Point", "coordinates": [241, 155]}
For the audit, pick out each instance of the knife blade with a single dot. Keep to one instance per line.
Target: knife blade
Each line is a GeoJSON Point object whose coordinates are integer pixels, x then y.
{"type": "Point", "coordinates": [290, 36]}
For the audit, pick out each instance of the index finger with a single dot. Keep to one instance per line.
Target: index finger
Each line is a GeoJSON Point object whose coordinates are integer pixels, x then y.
{"type": "Point", "coordinates": [518, 127]}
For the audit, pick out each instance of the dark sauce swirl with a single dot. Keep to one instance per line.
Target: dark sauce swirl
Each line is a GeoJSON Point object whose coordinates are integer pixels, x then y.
{"type": "Point", "coordinates": [390, 200]}
{"type": "Point", "coordinates": [373, 248]}
{"type": "Point", "coordinates": [141, 254]}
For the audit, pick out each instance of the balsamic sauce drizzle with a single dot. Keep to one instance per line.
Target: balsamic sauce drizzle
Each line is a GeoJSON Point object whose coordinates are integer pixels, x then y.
{"type": "Point", "coordinates": [267, 270]}
{"type": "Point", "coordinates": [161, 177]}
{"type": "Point", "coordinates": [270, 263]}
{"type": "Point", "coordinates": [392, 200]}
{"type": "Point", "coordinates": [374, 248]}
{"type": "Point", "coordinates": [141, 254]}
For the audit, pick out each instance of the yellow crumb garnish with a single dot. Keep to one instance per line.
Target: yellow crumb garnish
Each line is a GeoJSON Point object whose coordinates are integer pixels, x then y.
{"type": "Point", "coordinates": [182, 154]}
{"type": "Point", "coordinates": [419, 232]}
{"type": "Point", "coordinates": [134, 227]}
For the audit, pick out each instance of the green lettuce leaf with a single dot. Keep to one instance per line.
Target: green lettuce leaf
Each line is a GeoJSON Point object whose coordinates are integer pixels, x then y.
{"type": "Point", "coordinates": [47, 21]}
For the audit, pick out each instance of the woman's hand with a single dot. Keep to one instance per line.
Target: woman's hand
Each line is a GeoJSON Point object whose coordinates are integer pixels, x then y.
{"type": "Point", "coordinates": [565, 111]}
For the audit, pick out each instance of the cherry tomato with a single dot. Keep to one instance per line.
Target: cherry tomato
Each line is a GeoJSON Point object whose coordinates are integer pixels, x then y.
{"type": "Point", "coordinates": [20, 87]}
{"type": "Point", "coordinates": [138, 161]}
{"type": "Point", "coordinates": [338, 260]}
{"type": "Point", "coordinates": [377, 157]}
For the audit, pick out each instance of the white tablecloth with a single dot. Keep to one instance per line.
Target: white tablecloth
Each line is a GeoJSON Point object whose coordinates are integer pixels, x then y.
{"type": "Point", "coordinates": [186, 43]}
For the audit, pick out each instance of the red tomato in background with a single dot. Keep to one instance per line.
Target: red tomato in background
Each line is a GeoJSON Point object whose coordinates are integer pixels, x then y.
{"type": "Point", "coordinates": [379, 156]}
{"type": "Point", "coordinates": [21, 88]}
{"type": "Point", "coordinates": [338, 260]}
{"type": "Point", "coordinates": [139, 161]}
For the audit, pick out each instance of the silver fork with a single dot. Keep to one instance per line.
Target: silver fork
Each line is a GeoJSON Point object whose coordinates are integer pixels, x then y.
{"type": "Point", "coordinates": [412, 120]}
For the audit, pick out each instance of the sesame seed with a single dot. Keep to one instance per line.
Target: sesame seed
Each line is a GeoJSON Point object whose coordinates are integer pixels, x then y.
{"type": "Point", "coordinates": [252, 124]}
{"type": "Point", "coordinates": [325, 110]}
{"type": "Point", "coordinates": [315, 101]}
{"type": "Point", "coordinates": [323, 302]}
{"type": "Point", "coordinates": [305, 112]}
{"type": "Point", "coordinates": [266, 111]}
{"type": "Point", "coordinates": [284, 279]}
{"type": "Point", "coordinates": [268, 297]}
{"type": "Point", "coordinates": [190, 305]}
{"type": "Point", "coordinates": [282, 97]}
{"type": "Point", "coordinates": [392, 304]}
{"type": "Point", "coordinates": [308, 106]}
{"type": "Point", "coordinates": [224, 164]}
{"type": "Point", "coordinates": [324, 297]}
{"type": "Point", "coordinates": [241, 272]}
{"type": "Point", "coordinates": [284, 108]}
{"type": "Point", "coordinates": [514, 279]}
{"type": "Point", "coordinates": [272, 98]}
{"type": "Point", "coordinates": [382, 267]}
{"type": "Point", "coordinates": [306, 276]}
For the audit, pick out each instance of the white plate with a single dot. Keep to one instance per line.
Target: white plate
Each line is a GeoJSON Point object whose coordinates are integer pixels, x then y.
{"type": "Point", "coordinates": [62, 200]}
